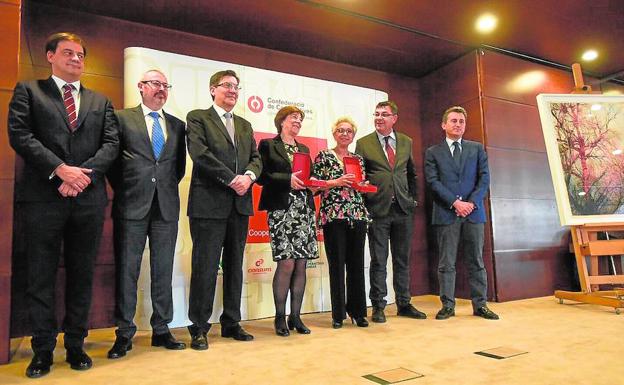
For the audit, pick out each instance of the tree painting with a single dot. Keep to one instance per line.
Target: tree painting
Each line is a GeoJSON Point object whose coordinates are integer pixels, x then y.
{"type": "Point", "coordinates": [590, 142]}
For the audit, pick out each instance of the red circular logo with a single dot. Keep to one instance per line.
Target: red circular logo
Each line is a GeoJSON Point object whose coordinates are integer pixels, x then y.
{"type": "Point", "coordinates": [255, 104]}
{"type": "Point", "coordinates": [259, 262]}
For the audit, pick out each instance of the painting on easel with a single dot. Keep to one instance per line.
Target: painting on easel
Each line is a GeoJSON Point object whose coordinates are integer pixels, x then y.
{"type": "Point", "coordinates": [584, 136]}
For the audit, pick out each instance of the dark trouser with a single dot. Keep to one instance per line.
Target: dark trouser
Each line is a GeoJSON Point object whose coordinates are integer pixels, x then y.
{"type": "Point", "coordinates": [130, 237]}
{"type": "Point", "coordinates": [77, 230]}
{"type": "Point", "coordinates": [396, 227]}
{"type": "Point", "coordinates": [210, 237]}
{"type": "Point", "coordinates": [344, 246]}
{"type": "Point", "coordinates": [471, 237]}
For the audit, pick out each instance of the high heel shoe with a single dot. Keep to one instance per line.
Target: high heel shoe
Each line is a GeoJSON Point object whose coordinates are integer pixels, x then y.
{"type": "Point", "coordinates": [336, 324]}
{"type": "Point", "coordinates": [361, 322]}
{"type": "Point", "coordinates": [280, 326]}
{"type": "Point", "coordinates": [295, 323]}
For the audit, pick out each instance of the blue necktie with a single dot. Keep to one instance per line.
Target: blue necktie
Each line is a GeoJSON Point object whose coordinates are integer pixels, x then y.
{"type": "Point", "coordinates": [158, 138]}
{"type": "Point", "coordinates": [456, 152]}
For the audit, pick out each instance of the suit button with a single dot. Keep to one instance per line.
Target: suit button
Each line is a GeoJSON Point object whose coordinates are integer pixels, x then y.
{"type": "Point", "coordinates": [156, 163]}
{"type": "Point", "coordinates": [154, 180]}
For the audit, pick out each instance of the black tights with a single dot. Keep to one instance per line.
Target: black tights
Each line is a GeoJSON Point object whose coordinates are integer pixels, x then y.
{"type": "Point", "coordinates": [289, 275]}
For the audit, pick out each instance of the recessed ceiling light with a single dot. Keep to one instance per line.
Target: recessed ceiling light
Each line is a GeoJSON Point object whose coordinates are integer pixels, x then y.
{"type": "Point", "coordinates": [596, 107]}
{"type": "Point", "coordinates": [589, 55]}
{"type": "Point", "coordinates": [486, 23]}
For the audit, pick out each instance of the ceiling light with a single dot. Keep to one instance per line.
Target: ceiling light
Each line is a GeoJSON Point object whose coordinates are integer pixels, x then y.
{"type": "Point", "coordinates": [596, 107]}
{"type": "Point", "coordinates": [617, 152]}
{"type": "Point", "coordinates": [589, 55]}
{"type": "Point", "coordinates": [486, 23]}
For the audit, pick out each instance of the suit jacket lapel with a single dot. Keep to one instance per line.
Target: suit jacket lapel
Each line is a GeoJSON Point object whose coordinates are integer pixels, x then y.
{"type": "Point", "coordinates": [376, 146]}
{"type": "Point", "coordinates": [280, 148]}
{"type": "Point", "coordinates": [216, 119]}
{"type": "Point", "coordinates": [141, 127]}
{"type": "Point", "coordinates": [86, 98]}
{"type": "Point", "coordinates": [57, 99]}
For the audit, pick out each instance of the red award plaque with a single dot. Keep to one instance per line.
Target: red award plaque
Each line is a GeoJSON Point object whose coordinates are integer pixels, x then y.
{"type": "Point", "coordinates": [352, 166]}
{"type": "Point", "coordinates": [302, 162]}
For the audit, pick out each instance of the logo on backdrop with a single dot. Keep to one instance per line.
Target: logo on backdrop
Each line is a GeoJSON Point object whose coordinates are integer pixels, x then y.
{"type": "Point", "coordinates": [255, 104]}
{"type": "Point", "coordinates": [259, 268]}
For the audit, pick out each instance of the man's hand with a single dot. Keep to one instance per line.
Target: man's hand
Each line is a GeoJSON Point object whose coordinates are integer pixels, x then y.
{"type": "Point", "coordinates": [463, 209]}
{"type": "Point", "coordinates": [76, 178]}
{"type": "Point", "coordinates": [67, 191]}
{"type": "Point", "coordinates": [240, 184]}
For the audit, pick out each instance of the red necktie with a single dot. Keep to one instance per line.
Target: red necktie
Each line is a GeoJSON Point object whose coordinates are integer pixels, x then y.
{"type": "Point", "coordinates": [389, 151]}
{"type": "Point", "coordinates": [70, 106]}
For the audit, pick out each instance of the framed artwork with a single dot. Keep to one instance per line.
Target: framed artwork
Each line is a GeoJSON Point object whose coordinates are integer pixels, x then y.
{"type": "Point", "coordinates": [584, 136]}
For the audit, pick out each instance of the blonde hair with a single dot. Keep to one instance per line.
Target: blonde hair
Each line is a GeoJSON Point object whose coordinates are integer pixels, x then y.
{"type": "Point", "coordinates": [344, 119]}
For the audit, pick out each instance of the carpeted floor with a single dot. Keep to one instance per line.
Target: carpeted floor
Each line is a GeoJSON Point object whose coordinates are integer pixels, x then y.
{"type": "Point", "coordinates": [565, 344]}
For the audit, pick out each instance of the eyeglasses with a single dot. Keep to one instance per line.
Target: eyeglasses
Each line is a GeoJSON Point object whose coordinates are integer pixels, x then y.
{"type": "Point", "coordinates": [156, 84]}
{"type": "Point", "coordinates": [382, 115]}
{"type": "Point", "coordinates": [71, 53]}
{"type": "Point", "coordinates": [345, 131]}
{"type": "Point", "coordinates": [230, 86]}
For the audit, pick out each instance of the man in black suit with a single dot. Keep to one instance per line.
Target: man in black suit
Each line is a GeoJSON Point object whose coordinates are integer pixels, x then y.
{"type": "Point", "coordinates": [67, 137]}
{"type": "Point", "coordinates": [225, 164]}
{"type": "Point", "coordinates": [457, 173]}
{"type": "Point", "coordinates": [389, 166]}
{"type": "Point", "coordinates": [151, 163]}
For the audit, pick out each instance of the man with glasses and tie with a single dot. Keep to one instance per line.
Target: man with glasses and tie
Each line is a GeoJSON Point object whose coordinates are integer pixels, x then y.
{"type": "Point", "coordinates": [225, 165]}
{"type": "Point", "coordinates": [145, 178]}
{"type": "Point", "coordinates": [457, 173]}
{"type": "Point", "coordinates": [67, 137]}
{"type": "Point", "coordinates": [389, 165]}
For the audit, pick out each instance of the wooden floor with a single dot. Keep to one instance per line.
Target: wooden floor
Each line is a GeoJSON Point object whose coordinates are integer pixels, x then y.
{"type": "Point", "coordinates": [565, 344]}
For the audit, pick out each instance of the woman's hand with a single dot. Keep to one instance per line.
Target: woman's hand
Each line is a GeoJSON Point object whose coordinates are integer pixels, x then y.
{"type": "Point", "coordinates": [295, 182]}
{"type": "Point", "coordinates": [344, 181]}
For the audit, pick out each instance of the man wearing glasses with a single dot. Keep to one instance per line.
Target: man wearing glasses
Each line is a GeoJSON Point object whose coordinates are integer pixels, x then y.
{"type": "Point", "coordinates": [225, 164]}
{"type": "Point", "coordinates": [388, 161]}
{"type": "Point", "coordinates": [145, 177]}
{"type": "Point", "coordinates": [67, 137]}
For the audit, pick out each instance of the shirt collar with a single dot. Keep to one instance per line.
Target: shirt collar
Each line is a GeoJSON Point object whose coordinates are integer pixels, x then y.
{"type": "Point", "coordinates": [450, 141]}
{"type": "Point", "coordinates": [60, 83]}
{"type": "Point", "coordinates": [147, 110]}
{"type": "Point", "coordinates": [381, 137]}
{"type": "Point", "coordinates": [220, 111]}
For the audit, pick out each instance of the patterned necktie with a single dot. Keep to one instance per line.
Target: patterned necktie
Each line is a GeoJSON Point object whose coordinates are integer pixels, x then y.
{"type": "Point", "coordinates": [229, 126]}
{"type": "Point", "coordinates": [70, 106]}
{"type": "Point", "coordinates": [389, 151]}
{"type": "Point", "coordinates": [456, 152]}
{"type": "Point", "coordinates": [158, 137]}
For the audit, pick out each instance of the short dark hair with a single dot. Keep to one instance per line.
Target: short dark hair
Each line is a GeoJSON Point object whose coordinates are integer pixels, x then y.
{"type": "Point", "coordinates": [458, 109]}
{"type": "Point", "coordinates": [216, 78]}
{"type": "Point", "coordinates": [283, 113]}
{"type": "Point", "coordinates": [54, 39]}
{"type": "Point", "coordinates": [389, 103]}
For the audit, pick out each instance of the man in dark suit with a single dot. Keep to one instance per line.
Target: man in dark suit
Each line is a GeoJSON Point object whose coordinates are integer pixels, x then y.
{"type": "Point", "coordinates": [67, 137]}
{"type": "Point", "coordinates": [389, 166]}
{"type": "Point", "coordinates": [225, 164]}
{"type": "Point", "coordinates": [145, 177]}
{"type": "Point", "coordinates": [456, 171]}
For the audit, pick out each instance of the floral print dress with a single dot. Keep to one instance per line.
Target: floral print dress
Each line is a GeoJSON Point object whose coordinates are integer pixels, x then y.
{"type": "Point", "coordinates": [293, 231]}
{"type": "Point", "coordinates": [338, 202]}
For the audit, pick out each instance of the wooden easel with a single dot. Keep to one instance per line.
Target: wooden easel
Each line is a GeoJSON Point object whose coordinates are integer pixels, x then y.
{"type": "Point", "coordinates": [586, 244]}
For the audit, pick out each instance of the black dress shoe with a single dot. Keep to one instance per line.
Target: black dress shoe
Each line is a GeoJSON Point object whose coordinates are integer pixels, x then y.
{"type": "Point", "coordinates": [486, 313]}
{"type": "Point", "coordinates": [120, 347]}
{"type": "Point", "coordinates": [295, 323]}
{"type": "Point", "coordinates": [336, 324]}
{"type": "Point", "coordinates": [378, 315]}
{"type": "Point", "coordinates": [199, 341]}
{"type": "Point", "coordinates": [236, 332]}
{"type": "Point", "coordinates": [167, 340]}
{"type": "Point", "coordinates": [281, 329]}
{"type": "Point", "coordinates": [411, 312]}
{"type": "Point", "coordinates": [78, 359]}
{"type": "Point", "coordinates": [40, 364]}
{"type": "Point", "coordinates": [361, 322]}
{"type": "Point", "coordinates": [445, 313]}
